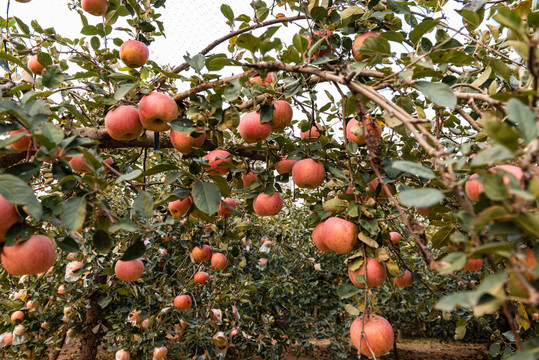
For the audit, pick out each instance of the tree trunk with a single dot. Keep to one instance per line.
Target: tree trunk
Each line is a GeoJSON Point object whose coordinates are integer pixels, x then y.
{"type": "Point", "coordinates": [94, 317]}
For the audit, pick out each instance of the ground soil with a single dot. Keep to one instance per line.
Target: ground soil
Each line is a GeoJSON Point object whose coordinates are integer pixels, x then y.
{"type": "Point", "coordinates": [408, 349]}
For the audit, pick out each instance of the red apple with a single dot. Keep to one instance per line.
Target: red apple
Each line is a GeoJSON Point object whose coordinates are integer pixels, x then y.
{"type": "Point", "coordinates": [267, 205]}
{"type": "Point", "coordinates": [184, 142]}
{"type": "Point", "coordinates": [511, 169]}
{"type": "Point", "coordinates": [8, 338]}
{"type": "Point", "coordinates": [473, 265]}
{"type": "Point", "coordinates": [403, 280]}
{"type": "Point", "coordinates": [95, 7]}
{"type": "Point", "coordinates": [223, 210]}
{"type": "Point", "coordinates": [33, 256]}
{"type": "Point", "coordinates": [17, 316]}
{"type": "Point", "coordinates": [202, 253]}
{"type": "Point", "coordinates": [282, 115]}
{"type": "Point", "coordinates": [179, 208]}
{"type": "Point", "coordinates": [216, 157]}
{"type": "Point", "coordinates": [377, 331]}
{"type": "Point", "coordinates": [313, 133]}
{"type": "Point", "coordinates": [134, 53]}
{"type": "Point", "coordinates": [123, 123]}
{"type": "Point", "coordinates": [129, 270]}
{"type": "Point", "coordinates": [318, 239]}
{"type": "Point", "coordinates": [248, 178]}
{"type": "Point", "coordinates": [308, 174]}
{"type": "Point", "coordinates": [122, 355]}
{"type": "Point", "coordinates": [473, 188]}
{"type": "Point", "coordinates": [9, 216]}
{"type": "Point", "coordinates": [252, 130]}
{"type": "Point", "coordinates": [285, 166]}
{"type": "Point", "coordinates": [340, 235]}
{"type": "Point", "coordinates": [270, 78]}
{"type": "Point", "coordinates": [376, 273]}
{"type": "Point", "coordinates": [160, 353]}
{"type": "Point", "coordinates": [156, 110]}
{"type": "Point", "coordinates": [395, 237]}
{"type": "Point", "coordinates": [355, 126]}
{"type": "Point", "coordinates": [77, 164]}
{"type": "Point", "coordinates": [183, 302]}
{"type": "Point", "coordinates": [219, 261]}
{"type": "Point", "coordinates": [24, 143]}
{"type": "Point", "coordinates": [201, 277]}
{"type": "Point", "coordinates": [35, 66]}
{"type": "Point", "coordinates": [358, 43]}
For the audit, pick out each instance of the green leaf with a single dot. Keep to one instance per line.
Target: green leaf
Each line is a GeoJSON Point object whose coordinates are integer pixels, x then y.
{"type": "Point", "coordinates": [233, 90]}
{"type": "Point", "coordinates": [421, 29]}
{"type": "Point", "coordinates": [439, 93]}
{"type": "Point", "coordinates": [18, 192]}
{"type": "Point", "coordinates": [143, 205]}
{"type": "Point", "coordinates": [529, 223]}
{"type": "Point", "coordinates": [495, 188]}
{"type": "Point", "coordinates": [206, 196]}
{"type": "Point", "coordinates": [14, 60]}
{"type": "Point", "coordinates": [439, 239]}
{"type": "Point", "coordinates": [74, 214]}
{"type": "Point", "coordinates": [68, 244]}
{"type": "Point", "coordinates": [367, 240]}
{"type": "Point", "coordinates": [300, 43]}
{"type": "Point", "coordinates": [488, 215]}
{"type": "Point", "coordinates": [227, 12]}
{"type": "Point", "coordinates": [421, 198]}
{"type": "Point", "coordinates": [124, 224]}
{"type": "Point", "coordinates": [124, 89]}
{"type": "Point", "coordinates": [129, 176]}
{"type": "Point", "coordinates": [351, 11]}
{"type": "Point", "coordinates": [335, 205]}
{"type": "Point", "coordinates": [102, 241]}
{"type": "Point", "coordinates": [451, 302]}
{"type": "Point", "coordinates": [501, 132]}
{"type": "Point", "coordinates": [452, 262]}
{"type": "Point", "coordinates": [266, 113]}
{"type": "Point", "coordinates": [135, 251]}
{"type": "Point", "coordinates": [492, 155]}
{"type": "Point", "coordinates": [52, 77]}
{"type": "Point", "coordinates": [413, 168]}
{"type": "Point", "coordinates": [345, 291]}
{"type": "Point", "coordinates": [375, 45]}
{"type": "Point", "coordinates": [525, 120]}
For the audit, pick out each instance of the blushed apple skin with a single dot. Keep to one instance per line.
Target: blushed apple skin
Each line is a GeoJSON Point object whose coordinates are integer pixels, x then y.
{"type": "Point", "coordinates": [33, 256]}
{"type": "Point", "coordinates": [129, 270]}
{"type": "Point", "coordinates": [123, 123]}
{"type": "Point", "coordinates": [267, 205]}
{"type": "Point", "coordinates": [134, 53]}
{"type": "Point", "coordinates": [24, 143]}
{"type": "Point", "coordinates": [282, 115]}
{"type": "Point", "coordinates": [376, 273]}
{"type": "Point", "coordinates": [35, 66]}
{"type": "Point", "coordinates": [340, 235]}
{"type": "Point", "coordinates": [318, 239]}
{"type": "Point", "coordinates": [252, 130]}
{"type": "Point", "coordinates": [182, 302]}
{"type": "Point", "coordinates": [404, 280]}
{"type": "Point", "coordinates": [285, 166]}
{"type": "Point", "coordinates": [95, 7]}
{"type": "Point", "coordinates": [312, 134]}
{"type": "Point", "coordinates": [156, 110]}
{"type": "Point", "coordinates": [184, 142]}
{"type": "Point", "coordinates": [358, 43]}
{"type": "Point", "coordinates": [372, 128]}
{"type": "Point", "coordinates": [308, 173]}
{"type": "Point", "coordinates": [179, 208]}
{"type": "Point", "coordinates": [215, 169]}
{"type": "Point", "coordinates": [378, 332]}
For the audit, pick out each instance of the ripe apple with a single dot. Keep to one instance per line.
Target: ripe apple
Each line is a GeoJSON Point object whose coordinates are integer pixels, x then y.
{"type": "Point", "coordinates": [77, 164]}
{"type": "Point", "coordinates": [473, 188]}
{"type": "Point", "coordinates": [223, 210]}
{"type": "Point", "coordinates": [395, 237]}
{"type": "Point", "coordinates": [24, 143]}
{"type": "Point", "coordinates": [308, 174]}
{"type": "Point", "coordinates": [202, 253]}
{"type": "Point", "coordinates": [473, 265]}
{"type": "Point", "coordinates": [33, 256]}
{"type": "Point", "coordinates": [184, 142]}
{"type": "Point", "coordinates": [17, 315]}
{"type": "Point", "coordinates": [356, 127]}
{"type": "Point", "coordinates": [95, 7]}
{"type": "Point", "coordinates": [328, 48]}
{"type": "Point", "coordinates": [19, 330]}
{"type": "Point", "coordinates": [134, 53]}
{"type": "Point", "coordinates": [252, 130]}
{"type": "Point", "coordinates": [216, 315]}
{"type": "Point", "coordinates": [267, 205]}
{"type": "Point", "coordinates": [270, 78]}
{"type": "Point", "coordinates": [313, 133]}
{"type": "Point", "coordinates": [122, 355]}
{"type": "Point", "coordinates": [248, 178]}
{"type": "Point", "coordinates": [9, 216]}
{"type": "Point", "coordinates": [216, 157]}
{"type": "Point", "coordinates": [160, 353]}
{"type": "Point", "coordinates": [8, 338]}
{"type": "Point", "coordinates": [403, 280]}
{"type": "Point", "coordinates": [285, 166]}
{"type": "Point", "coordinates": [318, 239]}
{"type": "Point", "coordinates": [219, 261]}
{"type": "Point", "coordinates": [179, 208]}
{"type": "Point", "coordinates": [358, 43]}
{"type": "Point", "coordinates": [340, 235]}
{"type": "Point", "coordinates": [156, 110]}
{"type": "Point", "coordinates": [35, 66]}
{"type": "Point", "coordinates": [377, 331]}
{"type": "Point", "coordinates": [282, 115]}
{"type": "Point", "coordinates": [123, 123]}
{"type": "Point", "coordinates": [129, 270]}
{"type": "Point", "coordinates": [511, 169]}
{"type": "Point", "coordinates": [183, 302]}
{"type": "Point", "coordinates": [376, 273]}
{"type": "Point", "coordinates": [201, 277]}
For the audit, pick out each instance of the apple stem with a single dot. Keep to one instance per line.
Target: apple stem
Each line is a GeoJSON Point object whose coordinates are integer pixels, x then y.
{"type": "Point", "coordinates": [156, 140]}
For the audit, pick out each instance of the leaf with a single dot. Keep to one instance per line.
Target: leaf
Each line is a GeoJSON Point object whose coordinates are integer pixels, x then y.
{"type": "Point", "coordinates": [367, 240]}
{"type": "Point", "coordinates": [451, 302]}
{"type": "Point", "coordinates": [207, 197]}
{"type": "Point", "coordinates": [300, 43]}
{"type": "Point", "coordinates": [375, 45]}
{"type": "Point", "coordinates": [129, 176]}
{"type": "Point", "coordinates": [14, 60]}
{"type": "Point", "coordinates": [413, 168]}
{"type": "Point", "coordinates": [102, 241]}
{"type": "Point", "coordinates": [422, 28]}
{"type": "Point", "coordinates": [525, 120]}
{"type": "Point", "coordinates": [492, 155]}
{"type": "Point", "coordinates": [351, 11]}
{"type": "Point", "coordinates": [266, 113]}
{"type": "Point", "coordinates": [501, 132]}
{"type": "Point", "coordinates": [439, 93]}
{"type": "Point", "coordinates": [52, 77]}
{"type": "Point", "coordinates": [18, 192]}
{"type": "Point", "coordinates": [335, 205]}
{"type": "Point", "coordinates": [439, 239]}
{"type": "Point", "coordinates": [135, 251]}
{"type": "Point", "coordinates": [124, 224]}
{"type": "Point", "coordinates": [352, 310]}
{"type": "Point", "coordinates": [452, 262]}
{"type": "Point", "coordinates": [345, 291]}
{"type": "Point", "coordinates": [529, 223]}
{"type": "Point", "coordinates": [124, 89]}
{"type": "Point", "coordinates": [421, 198]}
{"type": "Point", "coordinates": [74, 214]}
{"type": "Point", "coordinates": [227, 12]}
{"type": "Point", "coordinates": [143, 205]}
{"type": "Point", "coordinates": [68, 244]}
{"type": "Point", "coordinates": [488, 215]}
{"type": "Point", "coordinates": [233, 89]}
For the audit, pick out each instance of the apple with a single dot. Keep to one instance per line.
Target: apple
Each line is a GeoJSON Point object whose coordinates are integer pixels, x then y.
{"type": "Point", "coordinates": [216, 157]}
{"type": "Point", "coordinates": [235, 332]}
{"type": "Point", "coordinates": [184, 142]}
{"type": "Point", "coordinates": [9, 216]}
{"type": "Point", "coordinates": [313, 133]}
{"type": "Point", "coordinates": [354, 127]}
{"type": "Point", "coordinates": [216, 315]}
{"type": "Point", "coordinates": [358, 43]}
{"type": "Point", "coordinates": [340, 235]}
{"type": "Point", "coordinates": [19, 330]}
{"type": "Point", "coordinates": [129, 270]}
{"type": "Point", "coordinates": [328, 48]}
{"type": "Point", "coordinates": [32, 305]}
{"type": "Point", "coordinates": [122, 355]}
{"type": "Point", "coordinates": [395, 237]}
{"type": "Point", "coordinates": [285, 166]}
{"type": "Point", "coordinates": [33, 256]}
{"type": "Point", "coordinates": [282, 115]}
{"type": "Point", "coordinates": [473, 265]}
{"type": "Point", "coordinates": [473, 188]}
{"type": "Point", "coordinates": [511, 169]}
{"type": "Point", "coordinates": [179, 208]}
{"type": "Point", "coordinates": [248, 178]}
{"type": "Point", "coordinates": [403, 280]}
{"type": "Point", "coordinates": [267, 205]}
{"type": "Point", "coordinates": [223, 210]}
{"type": "Point", "coordinates": [423, 211]}
{"type": "Point", "coordinates": [535, 316]}
{"type": "Point", "coordinates": [24, 143]}
{"type": "Point", "coordinates": [219, 261]}
{"type": "Point", "coordinates": [95, 7]}
{"type": "Point", "coordinates": [8, 338]}
{"type": "Point", "coordinates": [156, 110]}
{"type": "Point", "coordinates": [23, 1]}
{"type": "Point", "coordinates": [531, 260]}
{"type": "Point", "coordinates": [201, 277]}
{"type": "Point", "coordinates": [377, 331]}
{"type": "Point", "coordinates": [182, 302]}
{"type": "Point", "coordinates": [160, 353]}
{"type": "Point", "coordinates": [270, 78]}
{"type": "Point", "coordinates": [376, 273]}
{"type": "Point", "coordinates": [308, 174]}
{"type": "Point", "coordinates": [220, 340]}
{"type": "Point", "coordinates": [123, 123]}
{"type": "Point", "coordinates": [318, 239]}
{"type": "Point", "coordinates": [201, 254]}
{"type": "Point", "coordinates": [252, 130]}
{"type": "Point", "coordinates": [134, 53]}
{"type": "Point", "coordinates": [17, 315]}
{"type": "Point", "coordinates": [35, 66]}
{"type": "Point", "coordinates": [77, 164]}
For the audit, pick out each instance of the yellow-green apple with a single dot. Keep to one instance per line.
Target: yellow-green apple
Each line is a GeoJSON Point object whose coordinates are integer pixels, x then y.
{"type": "Point", "coordinates": [122, 355]}
{"type": "Point", "coordinates": [156, 110]}
{"type": "Point", "coordinates": [270, 78]}
{"type": "Point", "coordinates": [285, 166]}
{"type": "Point", "coordinates": [134, 53]}
{"type": "Point", "coordinates": [33, 256]}
{"type": "Point", "coordinates": [340, 235]}
{"type": "Point", "coordinates": [184, 142]}
{"type": "Point", "coordinates": [395, 237]}
{"type": "Point", "coordinates": [377, 332]}
{"type": "Point", "coordinates": [202, 253]}
{"type": "Point", "coordinates": [313, 133]}
{"type": "Point", "coordinates": [356, 133]}
{"type": "Point", "coordinates": [215, 158]}
{"type": "Point", "coordinates": [201, 277]}
{"type": "Point", "coordinates": [129, 270]}
{"type": "Point", "coordinates": [358, 43]}
{"type": "Point", "coordinates": [282, 115]}
{"type": "Point", "coordinates": [267, 205]}
{"type": "Point", "coordinates": [248, 178]}
{"type": "Point", "coordinates": [473, 265]}
{"type": "Point", "coordinates": [95, 7]}
{"type": "Point", "coordinates": [182, 302]}
{"type": "Point", "coordinates": [123, 123]}
{"type": "Point", "coordinates": [35, 66]}
{"type": "Point", "coordinates": [376, 273]}
{"type": "Point", "coordinates": [219, 261]}
{"type": "Point", "coordinates": [179, 208]}
{"type": "Point", "coordinates": [9, 216]}
{"type": "Point", "coordinates": [23, 144]}
{"type": "Point", "coordinates": [318, 239]}
{"type": "Point", "coordinates": [252, 130]}
{"type": "Point", "coordinates": [308, 174]}
{"type": "Point", "coordinates": [223, 210]}
{"type": "Point", "coordinates": [403, 280]}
